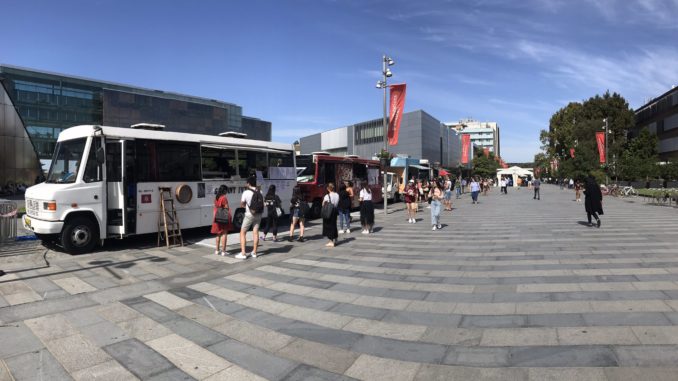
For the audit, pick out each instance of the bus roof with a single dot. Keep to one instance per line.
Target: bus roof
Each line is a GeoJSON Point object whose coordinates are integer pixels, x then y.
{"type": "Point", "coordinates": [88, 130]}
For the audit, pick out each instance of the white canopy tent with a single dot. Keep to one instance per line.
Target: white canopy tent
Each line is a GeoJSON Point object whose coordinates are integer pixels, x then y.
{"type": "Point", "coordinates": [514, 172]}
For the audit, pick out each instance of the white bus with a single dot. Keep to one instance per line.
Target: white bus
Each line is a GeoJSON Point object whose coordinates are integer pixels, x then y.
{"type": "Point", "coordinates": [104, 182]}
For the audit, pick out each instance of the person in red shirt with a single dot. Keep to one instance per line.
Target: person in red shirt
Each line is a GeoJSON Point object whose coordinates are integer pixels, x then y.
{"type": "Point", "coordinates": [411, 192]}
{"type": "Point", "coordinates": [220, 229]}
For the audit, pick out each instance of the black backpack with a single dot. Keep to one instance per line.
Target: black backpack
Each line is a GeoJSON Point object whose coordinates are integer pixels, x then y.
{"type": "Point", "coordinates": [256, 203]}
{"type": "Point", "coordinates": [327, 210]}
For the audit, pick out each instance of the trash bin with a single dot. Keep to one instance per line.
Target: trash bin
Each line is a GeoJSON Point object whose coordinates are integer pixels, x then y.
{"type": "Point", "coordinates": [8, 212]}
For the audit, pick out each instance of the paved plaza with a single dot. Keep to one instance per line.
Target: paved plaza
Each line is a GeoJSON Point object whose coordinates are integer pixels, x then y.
{"type": "Point", "coordinates": [510, 289]}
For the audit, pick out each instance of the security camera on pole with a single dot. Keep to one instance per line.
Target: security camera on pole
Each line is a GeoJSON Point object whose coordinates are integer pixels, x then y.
{"type": "Point", "coordinates": [386, 72]}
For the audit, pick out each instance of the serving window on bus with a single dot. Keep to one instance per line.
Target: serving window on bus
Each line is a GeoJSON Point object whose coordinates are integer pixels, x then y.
{"type": "Point", "coordinates": [167, 161]}
{"type": "Point", "coordinates": [218, 163]}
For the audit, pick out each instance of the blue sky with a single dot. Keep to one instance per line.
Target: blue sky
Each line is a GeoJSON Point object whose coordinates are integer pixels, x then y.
{"type": "Point", "coordinates": [309, 66]}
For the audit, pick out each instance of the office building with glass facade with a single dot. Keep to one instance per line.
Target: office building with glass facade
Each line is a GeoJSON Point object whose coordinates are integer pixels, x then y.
{"type": "Point", "coordinates": [43, 104]}
{"type": "Point", "coordinates": [421, 136]}
{"type": "Point", "coordinates": [660, 117]}
{"type": "Point", "coordinates": [483, 134]}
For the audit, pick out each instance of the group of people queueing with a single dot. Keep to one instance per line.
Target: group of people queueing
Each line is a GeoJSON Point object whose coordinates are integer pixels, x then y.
{"type": "Point", "coordinates": [338, 204]}
{"type": "Point", "coordinates": [335, 204]}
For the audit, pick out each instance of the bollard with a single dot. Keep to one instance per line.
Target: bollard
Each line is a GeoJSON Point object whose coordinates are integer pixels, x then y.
{"type": "Point", "coordinates": [8, 212]}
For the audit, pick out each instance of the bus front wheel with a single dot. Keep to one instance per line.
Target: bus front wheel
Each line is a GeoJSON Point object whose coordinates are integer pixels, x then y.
{"type": "Point", "coordinates": [79, 235]}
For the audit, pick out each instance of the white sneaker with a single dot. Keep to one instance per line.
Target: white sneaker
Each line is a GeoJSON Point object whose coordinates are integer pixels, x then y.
{"type": "Point", "coordinates": [253, 254]}
{"type": "Point", "coordinates": [217, 252]}
{"type": "Point", "coordinates": [347, 231]}
{"type": "Point", "coordinates": [440, 227]}
{"type": "Point", "coordinates": [241, 256]}
{"type": "Point", "coordinates": [434, 228]}
{"type": "Point", "coordinates": [365, 232]}
{"type": "Point", "coordinates": [224, 253]}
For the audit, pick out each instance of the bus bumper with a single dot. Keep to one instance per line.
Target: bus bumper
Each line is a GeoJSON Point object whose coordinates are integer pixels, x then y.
{"type": "Point", "coordinates": [41, 226]}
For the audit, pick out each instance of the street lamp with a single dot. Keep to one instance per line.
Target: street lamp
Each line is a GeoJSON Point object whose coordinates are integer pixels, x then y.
{"type": "Point", "coordinates": [606, 128]}
{"type": "Point", "coordinates": [386, 73]}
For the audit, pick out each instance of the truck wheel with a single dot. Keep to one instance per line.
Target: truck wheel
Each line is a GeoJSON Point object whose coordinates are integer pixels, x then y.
{"type": "Point", "coordinates": [79, 235]}
{"type": "Point", "coordinates": [238, 218]}
{"type": "Point", "coordinates": [316, 208]}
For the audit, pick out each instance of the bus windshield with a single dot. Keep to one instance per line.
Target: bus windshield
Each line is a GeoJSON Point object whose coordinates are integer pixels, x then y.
{"type": "Point", "coordinates": [66, 161]}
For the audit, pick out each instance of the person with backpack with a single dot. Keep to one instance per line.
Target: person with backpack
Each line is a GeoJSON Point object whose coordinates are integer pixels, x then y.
{"type": "Point", "coordinates": [274, 210]}
{"type": "Point", "coordinates": [344, 209]}
{"type": "Point", "coordinates": [222, 220]}
{"type": "Point", "coordinates": [329, 215]}
{"type": "Point", "coordinates": [253, 202]}
{"type": "Point", "coordinates": [298, 211]}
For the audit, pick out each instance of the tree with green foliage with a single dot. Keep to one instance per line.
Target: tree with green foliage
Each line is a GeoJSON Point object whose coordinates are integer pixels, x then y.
{"type": "Point", "coordinates": [485, 166]}
{"type": "Point", "coordinates": [574, 127]}
{"type": "Point", "coordinates": [639, 158]}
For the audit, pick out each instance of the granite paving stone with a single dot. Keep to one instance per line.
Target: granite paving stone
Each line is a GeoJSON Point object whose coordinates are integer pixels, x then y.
{"type": "Point", "coordinates": [253, 359]}
{"type": "Point", "coordinates": [35, 365]}
{"type": "Point", "coordinates": [138, 358]}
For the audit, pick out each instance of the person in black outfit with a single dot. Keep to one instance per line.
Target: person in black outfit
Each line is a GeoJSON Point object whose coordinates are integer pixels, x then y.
{"type": "Point", "coordinates": [272, 202]}
{"type": "Point", "coordinates": [593, 200]}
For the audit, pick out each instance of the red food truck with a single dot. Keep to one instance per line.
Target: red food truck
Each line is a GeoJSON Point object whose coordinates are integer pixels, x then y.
{"type": "Point", "coordinates": [319, 168]}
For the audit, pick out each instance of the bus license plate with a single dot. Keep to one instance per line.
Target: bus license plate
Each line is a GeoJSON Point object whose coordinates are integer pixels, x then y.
{"type": "Point", "coordinates": [27, 221]}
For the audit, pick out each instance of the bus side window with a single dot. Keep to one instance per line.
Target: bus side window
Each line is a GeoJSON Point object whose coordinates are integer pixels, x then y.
{"type": "Point", "coordinates": [249, 162]}
{"type": "Point", "coordinates": [179, 161]}
{"type": "Point", "coordinates": [113, 162]}
{"type": "Point", "coordinates": [93, 171]}
{"type": "Point", "coordinates": [218, 163]}
{"type": "Point", "coordinates": [330, 173]}
{"type": "Point", "coordinates": [359, 172]}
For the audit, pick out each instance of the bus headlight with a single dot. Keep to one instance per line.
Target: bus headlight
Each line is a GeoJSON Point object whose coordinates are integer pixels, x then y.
{"type": "Point", "coordinates": [49, 206]}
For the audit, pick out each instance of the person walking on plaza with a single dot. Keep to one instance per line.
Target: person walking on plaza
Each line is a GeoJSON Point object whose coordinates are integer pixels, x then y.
{"type": "Point", "coordinates": [411, 201]}
{"type": "Point", "coordinates": [221, 228]}
{"type": "Point", "coordinates": [577, 191]}
{"type": "Point", "coordinates": [329, 215]}
{"type": "Point", "coordinates": [366, 208]}
{"type": "Point", "coordinates": [351, 196]}
{"type": "Point", "coordinates": [274, 210]}
{"type": "Point", "coordinates": [436, 205]}
{"type": "Point", "coordinates": [457, 188]}
{"type": "Point", "coordinates": [448, 193]}
{"type": "Point", "coordinates": [593, 200]}
{"type": "Point", "coordinates": [463, 186]}
{"type": "Point", "coordinates": [570, 184]}
{"type": "Point", "coordinates": [298, 209]}
{"type": "Point", "coordinates": [475, 189]}
{"type": "Point", "coordinates": [344, 210]}
{"type": "Point", "coordinates": [253, 202]}
{"type": "Point", "coordinates": [426, 188]}
{"type": "Point", "coordinates": [536, 183]}
{"type": "Point", "coordinates": [502, 184]}
{"type": "Point", "coordinates": [486, 186]}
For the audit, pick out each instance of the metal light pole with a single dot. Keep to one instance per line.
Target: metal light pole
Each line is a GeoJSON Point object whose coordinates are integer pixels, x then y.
{"type": "Point", "coordinates": [607, 164]}
{"type": "Point", "coordinates": [386, 72]}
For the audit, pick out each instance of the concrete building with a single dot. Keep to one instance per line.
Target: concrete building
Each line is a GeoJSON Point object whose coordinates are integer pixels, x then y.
{"type": "Point", "coordinates": [42, 104]}
{"type": "Point", "coordinates": [660, 117]}
{"type": "Point", "coordinates": [483, 134]}
{"type": "Point", "coordinates": [421, 136]}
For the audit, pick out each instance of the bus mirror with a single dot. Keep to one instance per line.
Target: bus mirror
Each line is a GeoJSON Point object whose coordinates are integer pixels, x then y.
{"type": "Point", "coordinates": [100, 155]}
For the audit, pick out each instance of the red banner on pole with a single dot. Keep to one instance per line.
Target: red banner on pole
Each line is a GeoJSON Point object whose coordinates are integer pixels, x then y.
{"type": "Point", "coordinates": [572, 153]}
{"type": "Point", "coordinates": [600, 138]}
{"type": "Point", "coordinates": [395, 115]}
{"type": "Point", "coordinates": [465, 145]}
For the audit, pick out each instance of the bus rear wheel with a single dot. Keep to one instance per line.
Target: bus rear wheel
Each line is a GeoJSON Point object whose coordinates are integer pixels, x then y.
{"type": "Point", "coordinates": [79, 235]}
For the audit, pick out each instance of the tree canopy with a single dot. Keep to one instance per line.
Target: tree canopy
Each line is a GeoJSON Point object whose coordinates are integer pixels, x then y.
{"type": "Point", "coordinates": [574, 127]}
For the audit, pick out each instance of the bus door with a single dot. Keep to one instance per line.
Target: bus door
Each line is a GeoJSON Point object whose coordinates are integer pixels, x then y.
{"type": "Point", "coordinates": [115, 201]}
{"type": "Point", "coordinates": [121, 187]}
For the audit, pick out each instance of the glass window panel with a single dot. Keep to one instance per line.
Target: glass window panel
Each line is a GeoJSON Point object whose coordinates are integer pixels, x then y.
{"type": "Point", "coordinates": [218, 163]}
{"type": "Point", "coordinates": [179, 161]}
{"type": "Point", "coordinates": [249, 162]}
{"type": "Point", "coordinates": [93, 171]}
